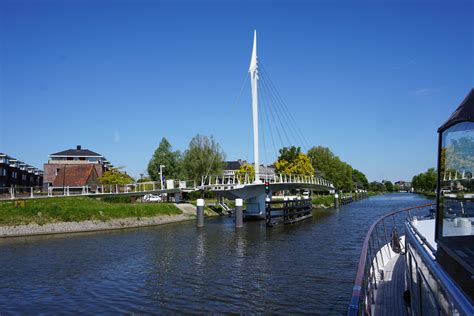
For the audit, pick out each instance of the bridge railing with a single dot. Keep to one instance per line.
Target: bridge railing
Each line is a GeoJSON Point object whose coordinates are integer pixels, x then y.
{"type": "Point", "coordinates": [21, 192]}
{"type": "Point", "coordinates": [240, 179]}
{"type": "Point", "coordinates": [211, 181]}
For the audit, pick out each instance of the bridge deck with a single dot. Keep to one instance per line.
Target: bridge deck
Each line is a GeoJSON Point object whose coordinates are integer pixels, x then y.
{"type": "Point", "coordinates": [389, 300]}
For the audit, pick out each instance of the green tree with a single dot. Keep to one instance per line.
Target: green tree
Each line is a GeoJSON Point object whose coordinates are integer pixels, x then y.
{"type": "Point", "coordinates": [246, 169]}
{"type": "Point", "coordinates": [425, 181]}
{"type": "Point", "coordinates": [164, 155]}
{"type": "Point", "coordinates": [293, 161]}
{"type": "Point", "coordinates": [332, 168]}
{"type": "Point", "coordinates": [301, 165]}
{"type": "Point", "coordinates": [360, 179]}
{"type": "Point", "coordinates": [388, 185]}
{"type": "Point", "coordinates": [115, 176]}
{"type": "Point", "coordinates": [375, 186]}
{"type": "Point", "coordinates": [202, 158]}
{"type": "Point", "coordinates": [289, 154]}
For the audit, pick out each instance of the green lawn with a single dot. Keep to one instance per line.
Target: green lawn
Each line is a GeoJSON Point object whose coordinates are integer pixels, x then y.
{"type": "Point", "coordinates": [70, 209]}
{"type": "Point", "coordinates": [326, 200]}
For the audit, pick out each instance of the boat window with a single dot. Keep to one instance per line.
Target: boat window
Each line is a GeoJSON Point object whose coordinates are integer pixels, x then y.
{"type": "Point", "coordinates": [456, 181]}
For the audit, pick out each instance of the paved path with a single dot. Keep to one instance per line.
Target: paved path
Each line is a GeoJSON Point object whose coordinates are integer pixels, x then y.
{"type": "Point", "coordinates": [186, 208]}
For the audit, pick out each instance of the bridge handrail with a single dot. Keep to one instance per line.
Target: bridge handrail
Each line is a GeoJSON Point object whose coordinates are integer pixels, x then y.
{"type": "Point", "coordinates": [249, 178]}
{"type": "Point", "coordinates": [211, 181]}
{"type": "Point", "coordinates": [366, 279]}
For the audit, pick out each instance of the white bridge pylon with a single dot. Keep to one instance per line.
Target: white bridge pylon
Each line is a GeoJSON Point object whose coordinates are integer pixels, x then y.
{"type": "Point", "coordinates": [253, 70]}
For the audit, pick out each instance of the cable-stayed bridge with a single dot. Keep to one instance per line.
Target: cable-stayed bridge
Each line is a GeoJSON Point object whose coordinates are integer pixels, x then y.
{"type": "Point", "coordinates": [272, 122]}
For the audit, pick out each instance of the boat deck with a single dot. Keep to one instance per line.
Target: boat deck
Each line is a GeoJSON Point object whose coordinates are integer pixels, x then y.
{"type": "Point", "coordinates": [389, 300]}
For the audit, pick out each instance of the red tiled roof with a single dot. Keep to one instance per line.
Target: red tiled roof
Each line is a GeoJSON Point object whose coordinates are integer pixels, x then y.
{"type": "Point", "coordinates": [75, 175]}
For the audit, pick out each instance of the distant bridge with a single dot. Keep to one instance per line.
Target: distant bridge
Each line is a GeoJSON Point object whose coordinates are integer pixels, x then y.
{"type": "Point", "coordinates": [228, 186]}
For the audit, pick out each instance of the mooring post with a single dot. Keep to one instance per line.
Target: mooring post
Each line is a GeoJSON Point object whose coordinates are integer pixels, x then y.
{"type": "Point", "coordinates": [239, 217]}
{"type": "Point", "coordinates": [336, 200]}
{"type": "Point", "coordinates": [200, 212]}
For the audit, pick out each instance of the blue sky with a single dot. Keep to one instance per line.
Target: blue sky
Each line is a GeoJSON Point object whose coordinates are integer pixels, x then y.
{"type": "Point", "coordinates": [371, 80]}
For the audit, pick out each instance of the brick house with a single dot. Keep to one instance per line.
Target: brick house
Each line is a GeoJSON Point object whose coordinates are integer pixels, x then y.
{"type": "Point", "coordinates": [74, 157]}
{"type": "Point", "coordinates": [77, 176]}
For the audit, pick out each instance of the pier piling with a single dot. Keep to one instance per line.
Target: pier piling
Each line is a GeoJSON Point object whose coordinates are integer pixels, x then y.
{"type": "Point", "coordinates": [200, 213]}
{"type": "Point", "coordinates": [239, 218]}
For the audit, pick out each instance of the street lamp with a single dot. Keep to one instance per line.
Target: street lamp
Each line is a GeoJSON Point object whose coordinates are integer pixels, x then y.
{"type": "Point", "coordinates": [161, 175]}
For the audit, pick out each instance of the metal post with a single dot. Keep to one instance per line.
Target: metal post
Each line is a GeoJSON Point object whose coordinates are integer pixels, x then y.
{"type": "Point", "coordinates": [239, 218]}
{"type": "Point", "coordinates": [200, 212]}
{"type": "Point", "coordinates": [161, 176]}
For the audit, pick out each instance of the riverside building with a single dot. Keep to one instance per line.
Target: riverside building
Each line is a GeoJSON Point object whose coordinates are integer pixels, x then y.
{"type": "Point", "coordinates": [74, 167]}
{"type": "Point", "coordinates": [16, 173]}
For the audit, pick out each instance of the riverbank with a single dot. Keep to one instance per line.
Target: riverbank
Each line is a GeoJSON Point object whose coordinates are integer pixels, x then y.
{"type": "Point", "coordinates": [89, 225]}
{"type": "Point", "coordinates": [77, 209]}
{"type": "Point", "coordinates": [83, 214]}
{"type": "Point", "coordinates": [327, 201]}
{"type": "Point", "coordinates": [430, 195]}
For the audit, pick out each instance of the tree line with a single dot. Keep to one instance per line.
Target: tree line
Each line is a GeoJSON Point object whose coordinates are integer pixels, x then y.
{"type": "Point", "coordinates": [425, 182]}
{"type": "Point", "coordinates": [322, 162]}
{"type": "Point", "coordinates": [204, 157]}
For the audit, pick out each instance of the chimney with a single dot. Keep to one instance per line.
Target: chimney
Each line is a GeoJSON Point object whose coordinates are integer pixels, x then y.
{"type": "Point", "coordinates": [78, 147]}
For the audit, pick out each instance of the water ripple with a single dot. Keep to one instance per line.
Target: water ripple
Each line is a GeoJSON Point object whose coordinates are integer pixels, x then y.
{"type": "Point", "coordinates": [308, 267]}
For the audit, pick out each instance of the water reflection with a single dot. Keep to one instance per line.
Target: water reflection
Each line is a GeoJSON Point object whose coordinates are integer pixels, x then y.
{"type": "Point", "coordinates": [307, 267]}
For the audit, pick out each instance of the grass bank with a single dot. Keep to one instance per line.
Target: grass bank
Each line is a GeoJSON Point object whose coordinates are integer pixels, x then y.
{"type": "Point", "coordinates": [323, 201]}
{"type": "Point", "coordinates": [76, 209]}
{"type": "Point", "coordinates": [372, 193]}
{"type": "Point", "coordinates": [430, 195]}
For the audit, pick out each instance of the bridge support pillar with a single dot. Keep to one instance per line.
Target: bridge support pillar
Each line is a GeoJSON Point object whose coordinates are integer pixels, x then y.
{"type": "Point", "coordinates": [200, 213]}
{"type": "Point", "coordinates": [256, 205]}
{"type": "Point", "coordinates": [239, 218]}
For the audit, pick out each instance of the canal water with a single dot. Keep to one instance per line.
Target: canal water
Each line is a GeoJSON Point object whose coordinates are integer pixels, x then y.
{"type": "Point", "coordinates": [308, 267]}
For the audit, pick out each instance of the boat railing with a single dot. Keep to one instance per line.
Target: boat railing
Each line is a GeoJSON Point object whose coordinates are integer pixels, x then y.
{"type": "Point", "coordinates": [382, 242]}
{"type": "Point", "coordinates": [423, 240]}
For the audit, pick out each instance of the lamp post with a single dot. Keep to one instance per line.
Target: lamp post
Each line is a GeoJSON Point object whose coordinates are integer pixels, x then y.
{"type": "Point", "coordinates": [161, 175]}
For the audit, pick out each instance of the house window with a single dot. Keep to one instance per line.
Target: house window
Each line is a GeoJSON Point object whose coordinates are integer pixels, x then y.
{"type": "Point", "coordinates": [57, 171]}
